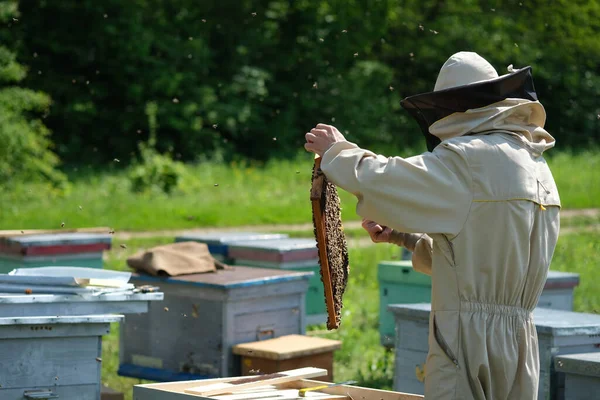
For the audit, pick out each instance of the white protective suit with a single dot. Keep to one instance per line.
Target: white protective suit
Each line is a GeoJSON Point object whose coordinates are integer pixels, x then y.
{"type": "Point", "coordinates": [488, 205]}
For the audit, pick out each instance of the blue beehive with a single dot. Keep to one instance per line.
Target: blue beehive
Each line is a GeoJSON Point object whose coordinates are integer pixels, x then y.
{"type": "Point", "coordinates": [218, 243]}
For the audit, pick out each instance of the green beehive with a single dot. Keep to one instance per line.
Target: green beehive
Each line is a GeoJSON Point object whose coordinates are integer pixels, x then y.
{"type": "Point", "coordinates": [398, 283]}
{"type": "Point", "coordinates": [297, 254]}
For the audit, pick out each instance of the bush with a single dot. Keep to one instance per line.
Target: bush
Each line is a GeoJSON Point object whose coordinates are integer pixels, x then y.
{"type": "Point", "coordinates": [154, 170]}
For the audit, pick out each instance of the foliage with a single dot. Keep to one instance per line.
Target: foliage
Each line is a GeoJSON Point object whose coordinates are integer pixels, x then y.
{"type": "Point", "coordinates": [155, 170]}
{"type": "Point", "coordinates": [24, 139]}
{"type": "Point", "coordinates": [245, 79]}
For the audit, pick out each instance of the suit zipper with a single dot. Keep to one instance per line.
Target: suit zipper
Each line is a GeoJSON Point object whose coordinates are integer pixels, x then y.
{"type": "Point", "coordinates": [444, 345]}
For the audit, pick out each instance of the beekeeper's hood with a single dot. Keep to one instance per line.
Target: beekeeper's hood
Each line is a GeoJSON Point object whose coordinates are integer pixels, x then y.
{"type": "Point", "coordinates": [469, 97]}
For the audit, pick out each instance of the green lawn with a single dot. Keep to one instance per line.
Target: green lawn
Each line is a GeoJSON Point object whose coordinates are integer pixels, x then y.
{"type": "Point", "coordinates": [277, 193]}
{"type": "Point", "coordinates": [362, 358]}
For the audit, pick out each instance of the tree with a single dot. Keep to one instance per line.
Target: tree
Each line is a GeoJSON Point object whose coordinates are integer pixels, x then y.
{"type": "Point", "coordinates": [25, 147]}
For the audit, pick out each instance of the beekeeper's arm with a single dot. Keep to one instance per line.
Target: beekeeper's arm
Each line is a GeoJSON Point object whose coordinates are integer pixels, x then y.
{"type": "Point", "coordinates": [420, 244]}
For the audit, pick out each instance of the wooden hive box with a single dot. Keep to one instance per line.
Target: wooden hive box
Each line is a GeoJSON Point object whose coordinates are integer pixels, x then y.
{"type": "Point", "coordinates": [76, 249]}
{"type": "Point", "coordinates": [190, 334]}
{"type": "Point", "coordinates": [218, 243]}
{"type": "Point", "coordinates": [286, 353]}
{"type": "Point", "coordinates": [559, 332]}
{"type": "Point", "coordinates": [399, 283]}
{"type": "Point", "coordinates": [289, 390]}
{"type": "Point", "coordinates": [582, 375]}
{"type": "Point", "coordinates": [52, 357]}
{"type": "Point", "coordinates": [298, 254]}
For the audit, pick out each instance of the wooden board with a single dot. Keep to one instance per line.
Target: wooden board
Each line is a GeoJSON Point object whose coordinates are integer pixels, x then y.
{"type": "Point", "coordinates": [286, 347]}
{"type": "Point", "coordinates": [176, 391]}
{"type": "Point", "coordinates": [239, 384]}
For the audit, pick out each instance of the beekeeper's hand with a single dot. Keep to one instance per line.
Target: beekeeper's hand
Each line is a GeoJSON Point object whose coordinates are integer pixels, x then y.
{"type": "Point", "coordinates": [378, 233]}
{"type": "Point", "coordinates": [321, 138]}
{"type": "Point", "coordinates": [385, 234]}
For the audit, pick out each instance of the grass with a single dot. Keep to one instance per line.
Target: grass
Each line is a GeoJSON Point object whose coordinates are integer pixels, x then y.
{"type": "Point", "coordinates": [277, 193]}
{"type": "Point", "coordinates": [361, 357]}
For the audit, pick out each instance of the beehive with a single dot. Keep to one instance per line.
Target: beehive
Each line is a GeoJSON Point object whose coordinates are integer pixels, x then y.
{"type": "Point", "coordinates": [191, 333]}
{"type": "Point", "coordinates": [63, 249]}
{"type": "Point", "coordinates": [399, 283]}
{"type": "Point", "coordinates": [297, 254]}
{"type": "Point", "coordinates": [559, 332]}
{"type": "Point", "coordinates": [218, 243]}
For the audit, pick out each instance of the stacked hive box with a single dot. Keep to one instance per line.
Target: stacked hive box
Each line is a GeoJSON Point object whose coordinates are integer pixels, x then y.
{"type": "Point", "coordinates": [52, 357]}
{"type": "Point", "coordinates": [296, 254]}
{"type": "Point", "coordinates": [218, 243]}
{"type": "Point", "coordinates": [399, 283]}
{"type": "Point", "coordinates": [559, 332]}
{"type": "Point", "coordinates": [582, 375]}
{"type": "Point", "coordinates": [64, 249]}
{"type": "Point", "coordinates": [55, 339]}
{"type": "Point", "coordinates": [191, 333]}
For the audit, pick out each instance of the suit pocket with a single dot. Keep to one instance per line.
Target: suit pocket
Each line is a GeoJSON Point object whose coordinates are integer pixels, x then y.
{"type": "Point", "coordinates": [439, 338]}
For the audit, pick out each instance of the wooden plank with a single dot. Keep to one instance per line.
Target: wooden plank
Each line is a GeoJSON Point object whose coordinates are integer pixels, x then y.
{"type": "Point", "coordinates": [252, 382]}
{"type": "Point", "coordinates": [354, 392]}
{"type": "Point", "coordinates": [286, 347]}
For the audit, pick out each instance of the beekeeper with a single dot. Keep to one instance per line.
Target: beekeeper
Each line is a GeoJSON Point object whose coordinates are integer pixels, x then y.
{"type": "Point", "coordinates": [480, 210]}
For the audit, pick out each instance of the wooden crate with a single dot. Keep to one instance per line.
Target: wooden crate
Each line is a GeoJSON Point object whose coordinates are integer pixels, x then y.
{"type": "Point", "coordinates": [218, 242]}
{"type": "Point", "coordinates": [559, 332]}
{"type": "Point", "coordinates": [399, 283]}
{"type": "Point", "coordinates": [287, 353]}
{"type": "Point", "coordinates": [297, 254]}
{"type": "Point", "coordinates": [191, 333]}
{"type": "Point", "coordinates": [176, 391]}
{"type": "Point", "coordinates": [582, 375]}
{"type": "Point", "coordinates": [59, 356]}
{"type": "Point", "coordinates": [74, 249]}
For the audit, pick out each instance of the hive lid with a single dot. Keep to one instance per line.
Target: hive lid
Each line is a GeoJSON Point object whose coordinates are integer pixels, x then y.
{"type": "Point", "coordinates": [236, 276]}
{"type": "Point", "coordinates": [57, 239]}
{"type": "Point", "coordinates": [547, 321]}
{"type": "Point", "coordinates": [276, 245]}
{"type": "Point", "coordinates": [286, 347]}
{"type": "Point", "coordinates": [587, 364]}
{"type": "Point", "coordinates": [220, 238]}
{"type": "Point", "coordinates": [401, 272]}
{"type": "Point", "coordinates": [561, 280]}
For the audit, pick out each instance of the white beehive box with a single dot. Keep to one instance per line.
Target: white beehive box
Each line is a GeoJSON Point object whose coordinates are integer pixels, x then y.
{"type": "Point", "coordinates": [191, 333]}
{"type": "Point", "coordinates": [559, 332]}
{"type": "Point", "coordinates": [55, 356]}
{"type": "Point", "coordinates": [582, 375]}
